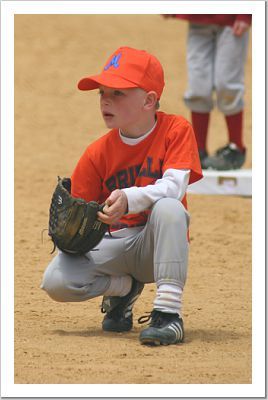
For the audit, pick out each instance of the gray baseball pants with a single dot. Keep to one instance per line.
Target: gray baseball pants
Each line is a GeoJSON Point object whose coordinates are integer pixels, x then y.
{"type": "Point", "coordinates": [216, 60]}
{"type": "Point", "coordinates": [158, 252]}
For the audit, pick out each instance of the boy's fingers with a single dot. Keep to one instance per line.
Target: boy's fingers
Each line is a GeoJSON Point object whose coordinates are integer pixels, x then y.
{"type": "Point", "coordinates": [113, 197]}
{"type": "Point", "coordinates": [103, 217]}
{"type": "Point", "coordinates": [107, 219]}
{"type": "Point", "coordinates": [105, 209]}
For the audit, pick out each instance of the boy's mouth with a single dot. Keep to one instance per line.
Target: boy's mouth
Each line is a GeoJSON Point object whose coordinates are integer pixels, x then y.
{"type": "Point", "coordinates": [107, 114]}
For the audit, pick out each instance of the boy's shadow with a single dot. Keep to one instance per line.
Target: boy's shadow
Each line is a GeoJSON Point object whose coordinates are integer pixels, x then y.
{"type": "Point", "coordinates": [191, 335]}
{"type": "Point", "coordinates": [212, 335]}
{"type": "Point", "coordinates": [98, 332]}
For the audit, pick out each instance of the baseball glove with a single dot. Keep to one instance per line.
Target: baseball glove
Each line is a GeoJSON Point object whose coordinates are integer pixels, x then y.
{"type": "Point", "coordinates": [73, 224]}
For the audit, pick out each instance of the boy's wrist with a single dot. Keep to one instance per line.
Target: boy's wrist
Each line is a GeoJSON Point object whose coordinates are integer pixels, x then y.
{"type": "Point", "coordinates": [130, 195]}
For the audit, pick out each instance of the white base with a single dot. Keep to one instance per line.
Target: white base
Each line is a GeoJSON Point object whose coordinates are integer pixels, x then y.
{"type": "Point", "coordinates": [234, 182]}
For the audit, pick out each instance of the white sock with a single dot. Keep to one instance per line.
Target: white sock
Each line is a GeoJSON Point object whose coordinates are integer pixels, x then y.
{"type": "Point", "coordinates": [119, 286]}
{"type": "Point", "coordinates": [168, 298]}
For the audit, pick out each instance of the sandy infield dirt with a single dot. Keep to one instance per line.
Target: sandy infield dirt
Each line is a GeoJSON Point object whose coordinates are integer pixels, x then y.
{"type": "Point", "coordinates": [54, 122]}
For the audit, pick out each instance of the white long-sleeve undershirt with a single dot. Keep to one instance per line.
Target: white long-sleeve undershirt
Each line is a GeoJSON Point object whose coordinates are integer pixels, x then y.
{"type": "Point", "coordinates": [173, 184]}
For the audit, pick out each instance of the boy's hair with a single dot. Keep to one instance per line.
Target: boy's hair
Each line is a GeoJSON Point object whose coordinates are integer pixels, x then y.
{"type": "Point", "coordinates": [128, 68]}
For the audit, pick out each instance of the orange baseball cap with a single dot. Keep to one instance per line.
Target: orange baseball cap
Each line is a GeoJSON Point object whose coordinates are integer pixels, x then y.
{"type": "Point", "coordinates": [128, 68]}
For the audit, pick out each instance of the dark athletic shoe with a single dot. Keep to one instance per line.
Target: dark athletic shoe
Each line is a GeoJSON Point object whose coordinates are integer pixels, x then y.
{"type": "Point", "coordinates": [118, 310]}
{"type": "Point", "coordinates": [202, 155]}
{"type": "Point", "coordinates": [164, 329]}
{"type": "Point", "coordinates": [226, 158]}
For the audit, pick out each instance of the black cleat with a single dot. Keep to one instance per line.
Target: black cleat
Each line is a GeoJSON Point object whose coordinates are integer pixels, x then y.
{"type": "Point", "coordinates": [118, 310]}
{"type": "Point", "coordinates": [164, 329]}
{"type": "Point", "coordinates": [226, 158]}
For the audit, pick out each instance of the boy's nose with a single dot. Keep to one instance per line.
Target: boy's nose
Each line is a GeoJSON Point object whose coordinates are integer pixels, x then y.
{"type": "Point", "coordinates": [105, 99]}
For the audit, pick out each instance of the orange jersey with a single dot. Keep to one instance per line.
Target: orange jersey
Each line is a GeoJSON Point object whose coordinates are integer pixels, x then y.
{"type": "Point", "coordinates": [109, 164]}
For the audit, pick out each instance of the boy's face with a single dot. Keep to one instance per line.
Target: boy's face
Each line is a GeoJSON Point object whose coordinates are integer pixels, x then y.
{"type": "Point", "coordinates": [122, 108]}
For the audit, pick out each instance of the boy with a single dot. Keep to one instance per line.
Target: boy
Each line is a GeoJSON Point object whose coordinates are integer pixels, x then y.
{"type": "Point", "coordinates": [140, 169]}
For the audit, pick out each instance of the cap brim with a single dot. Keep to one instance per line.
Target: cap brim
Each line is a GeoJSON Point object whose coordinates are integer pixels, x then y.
{"type": "Point", "coordinates": [109, 80]}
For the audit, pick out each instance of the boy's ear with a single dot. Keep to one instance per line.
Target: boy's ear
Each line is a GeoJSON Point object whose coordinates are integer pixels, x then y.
{"type": "Point", "coordinates": [150, 100]}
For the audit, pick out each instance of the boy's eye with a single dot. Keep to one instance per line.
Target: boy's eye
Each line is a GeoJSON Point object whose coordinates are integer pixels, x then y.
{"type": "Point", "coordinates": [114, 93]}
{"type": "Point", "coordinates": [118, 93]}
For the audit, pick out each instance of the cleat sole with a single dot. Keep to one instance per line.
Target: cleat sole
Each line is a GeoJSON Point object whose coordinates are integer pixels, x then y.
{"type": "Point", "coordinates": [153, 342]}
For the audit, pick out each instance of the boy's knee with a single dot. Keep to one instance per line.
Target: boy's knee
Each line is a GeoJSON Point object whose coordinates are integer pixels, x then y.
{"type": "Point", "coordinates": [199, 102]}
{"type": "Point", "coordinates": [229, 96]}
{"type": "Point", "coordinates": [65, 283]}
{"type": "Point", "coordinates": [170, 211]}
{"type": "Point", "coordinates": [53, 283]}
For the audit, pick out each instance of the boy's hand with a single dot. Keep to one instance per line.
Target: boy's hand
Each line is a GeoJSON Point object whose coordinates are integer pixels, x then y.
{"type": "Point", "coordinates": [116, 206]}
{"type": "Point", "coordinates": [240, 27]}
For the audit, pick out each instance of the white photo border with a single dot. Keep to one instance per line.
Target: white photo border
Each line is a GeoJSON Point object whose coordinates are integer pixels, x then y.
{"type": "Point", "coordinates": [8, 10]}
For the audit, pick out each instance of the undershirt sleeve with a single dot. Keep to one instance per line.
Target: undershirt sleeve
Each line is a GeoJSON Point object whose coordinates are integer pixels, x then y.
{"type": "Point", "coordinates": [173, 184]}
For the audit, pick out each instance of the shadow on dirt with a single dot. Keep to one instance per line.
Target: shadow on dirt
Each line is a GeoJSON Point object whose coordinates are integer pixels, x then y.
{"type": "Point", "coordinates": [213, 335]}
{"type": "Point", "coordinates": [198, 335]}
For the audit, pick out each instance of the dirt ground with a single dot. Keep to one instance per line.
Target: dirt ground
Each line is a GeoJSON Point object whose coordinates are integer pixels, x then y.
{"type": "Point", "coordinates": [54, 122]}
